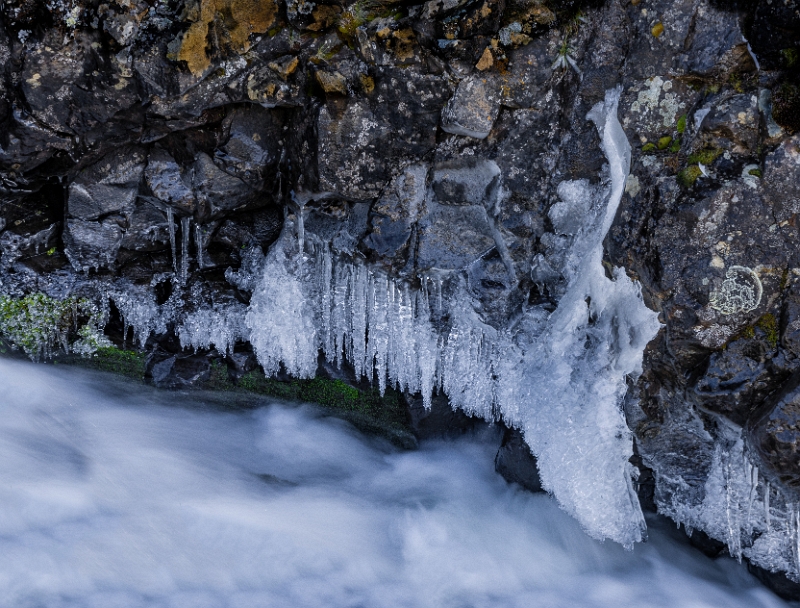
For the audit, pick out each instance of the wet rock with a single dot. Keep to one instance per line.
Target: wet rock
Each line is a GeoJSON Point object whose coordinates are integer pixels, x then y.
{"type": "Point", "coordinates": [515, 462]}
{"type": "Point", "coordinates": [217, 191]}
{"type": "Point", "coordinates": [252, 151]}
{"type": "Point", "coordinates": [453, 237]}
{"type": "Point", "coordinates": [394, 214]}
{"type": "Point", "coordinates": [473, 109]}
{"type": "Point", "coordinates": [775, 435]}
{"type": "Point", "coordinates": [108, 186]}
{"type": "Point", "coordinates": [168, 182]}
{"type": "Point", "coordinates": [92, 244]}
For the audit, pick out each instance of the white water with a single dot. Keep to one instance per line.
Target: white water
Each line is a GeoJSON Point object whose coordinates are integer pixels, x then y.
{"type": "Point", "coordinates": [120, 497]}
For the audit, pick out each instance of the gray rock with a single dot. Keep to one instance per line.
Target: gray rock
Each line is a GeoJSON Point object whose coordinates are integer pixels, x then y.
{"type": "Point", "coordinates": [108, 186]}
{"type": "Point", "coordinates": [92, 244]}
{"type": "Point", "coordinates": [168, 182]}
{"type": "Point", "coordinates": [218, 192]}
{"type": "Point", "coordinates": [473, 109]}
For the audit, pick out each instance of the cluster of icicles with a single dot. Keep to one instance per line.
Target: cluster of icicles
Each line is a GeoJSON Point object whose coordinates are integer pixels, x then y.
{"type": "Point", "coordinates": [558, 376]}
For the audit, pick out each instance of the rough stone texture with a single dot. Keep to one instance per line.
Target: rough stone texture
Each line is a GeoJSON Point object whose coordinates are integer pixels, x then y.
{"type": "Point", "coordinates": [428, 140]}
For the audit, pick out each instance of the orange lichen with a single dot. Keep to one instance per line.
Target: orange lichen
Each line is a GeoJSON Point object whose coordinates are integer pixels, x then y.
{"type": "Point", "coordinates": [486, 61]}
{"type": "Point", "coordinates": [237, 18]}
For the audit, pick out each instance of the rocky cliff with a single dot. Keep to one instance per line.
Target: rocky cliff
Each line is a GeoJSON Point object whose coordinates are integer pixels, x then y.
{"type": "Point", "coordinates": [226, 183]}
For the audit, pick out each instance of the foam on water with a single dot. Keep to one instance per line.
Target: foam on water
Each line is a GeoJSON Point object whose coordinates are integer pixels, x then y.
{"type": "Point", "coordinates": [115, 497]}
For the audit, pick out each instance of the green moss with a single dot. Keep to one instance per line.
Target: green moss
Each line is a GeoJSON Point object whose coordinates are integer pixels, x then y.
{"type": "Point", "coordinates": [51, 251]}
{"type": "Point", "coordinates": [39, 324]}
{"type": "Point", "coordinates": [755, 172]}
{"type": "Point", "coordinates": [689, 176]}
{"type": "Point", "coordinates": [784, 279]}
{"type": "Point", "coordinates": [128, 363]}
{"type": "Point", "coordinates": [681, 124]}
{"type": "Point", "coordinates": [367, 409]}
{"type": "Point", "coordinates": [650, 147]}
{"type": "Point", "coordinates": [218, 378]}
{"type": "Point", "coordinates": [790, 57]}
{"type": "Point", "coordinates": [706, 156]}
{"type": "Point", "coordinates": [748, 333]}
{"type": "Point", "coordinates": [664, 142]}
{"type": "Point", "coordinates": [736, 82]}
{"type": "Point", "coordinates": [676, 145]}
{"type": "Point", "coordinates": [769, 325]}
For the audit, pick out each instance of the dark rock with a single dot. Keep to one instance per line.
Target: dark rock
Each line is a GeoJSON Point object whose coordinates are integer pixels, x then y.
{"type": "Point", "coordinates": [440, 420]}
{"type": "Point", "coordinates": [777, 581]}
{"type": "Point", "coordinates": [775, 435]}
{"type": "Point", "coordinates": [515, 462]}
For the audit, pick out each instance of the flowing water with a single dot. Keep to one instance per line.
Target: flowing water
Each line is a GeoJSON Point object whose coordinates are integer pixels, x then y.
{"type": "Point", "coordinates": [114, 495]}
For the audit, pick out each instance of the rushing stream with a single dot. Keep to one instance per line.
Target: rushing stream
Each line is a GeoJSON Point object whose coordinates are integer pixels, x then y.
{"type": "Point", "coordinates": [114, 495]}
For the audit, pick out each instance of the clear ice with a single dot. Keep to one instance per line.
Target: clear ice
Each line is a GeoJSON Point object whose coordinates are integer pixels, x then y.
{"type": "Point", "coordinates": [559, 377]}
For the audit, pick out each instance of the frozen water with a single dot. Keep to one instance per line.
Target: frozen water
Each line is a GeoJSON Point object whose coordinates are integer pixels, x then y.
{"type": "Point", "coordinates": [559, 377]}
{"type": "Point", "coordinates": [115, 497]}
{"type": "Point", "coordinates": [218, 326]}
{"type": "Point", "coordinates": [281, 320]}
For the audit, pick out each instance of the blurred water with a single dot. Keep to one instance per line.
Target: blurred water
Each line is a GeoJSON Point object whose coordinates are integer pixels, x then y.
{"type": "Point", "coordinates": [114, 495]}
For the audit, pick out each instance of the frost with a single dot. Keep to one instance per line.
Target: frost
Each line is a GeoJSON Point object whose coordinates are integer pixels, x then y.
{"type": "Point", "coordinates": [740, 292]}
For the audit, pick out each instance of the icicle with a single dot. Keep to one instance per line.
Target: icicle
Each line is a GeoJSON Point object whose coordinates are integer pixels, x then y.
{"type": "Point", "coordinates": [171, 224]}
{"type": "Point", "coordinates": [796, 517]}
{"type": "Point", "coordinates": [186, 223]}
{"type": "Point", "coordinates": [753, 479]}
{"type": "Point", "coordinates": [766, 508]}
{"type": "Point", "coordinates": [198, 245]}
{"type": "Point", "coordinates": [301, 228]}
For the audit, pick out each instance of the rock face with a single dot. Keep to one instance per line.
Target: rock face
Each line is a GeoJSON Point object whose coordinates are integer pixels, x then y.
{"type": "Point", "coordinates": [152, 153]}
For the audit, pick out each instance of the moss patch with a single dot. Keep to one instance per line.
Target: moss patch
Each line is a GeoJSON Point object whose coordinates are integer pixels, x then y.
{"type": "Point", "coordinates": [769, 325]}
{"type": "Point", "coordinates": [235, 18]}
{"type": "Point", "coordinates": [39, 325]}
{"type": "Point", "coordinates": [127, 363]}
{"type": "Point", "coordinates": [366, 409]}
{"type": "Point", "coordinates": [689, 176]}
{"type": "Point", "coordinates": [681, 124]}
{"type": "Point", "coordinates": [706, 156]}
{"type": "Point", "coordinates": [649, 147]}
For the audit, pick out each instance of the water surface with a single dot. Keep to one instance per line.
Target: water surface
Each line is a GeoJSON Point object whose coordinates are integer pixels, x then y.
{"type": "Point", "coordinates": [114, 495]}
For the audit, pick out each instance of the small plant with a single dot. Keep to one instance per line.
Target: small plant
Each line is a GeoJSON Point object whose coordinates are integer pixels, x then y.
{"type": "Point", "coordinates": [682, 124]}
{"type": "Point", "coordinates": [649, 147]}
{"type": "Point", "coordinates": [664, 142]}
{"type": "Point", "coordinates": [769, 325]}
{"type": "Point", "coordinates": [565, 60]}
{"type": "Point", "coordinates": [326, 51]}
{"type": "Point", "coordinates": [39, 324]}
{"type": "Point", "coordinates": [356, 15]}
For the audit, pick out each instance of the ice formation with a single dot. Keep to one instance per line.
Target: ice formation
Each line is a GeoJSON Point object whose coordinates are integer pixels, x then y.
{"type": "Point", "coordinates": [738, 506]}
{"type": "Point", "coordinates": [560, 377]}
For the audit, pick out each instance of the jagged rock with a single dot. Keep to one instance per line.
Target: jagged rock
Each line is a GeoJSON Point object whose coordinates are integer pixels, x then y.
{"type": "Point", "coordinates": [91, 244]}
{"type": "Point", "coordinates": [217, 192]}
{"type": "Point", "coordinates": [515, 462]}
{"type": "Point", "coordinates": [473, 109]}
{"type": "Point", "coordinates": [775, 434]}
{"type": "Point", "coordinates": [168, 182]}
